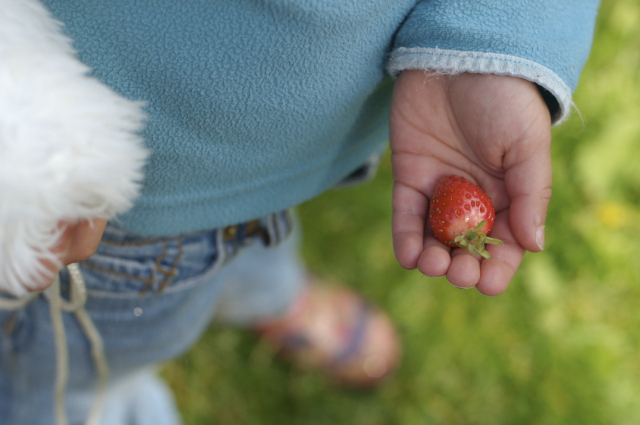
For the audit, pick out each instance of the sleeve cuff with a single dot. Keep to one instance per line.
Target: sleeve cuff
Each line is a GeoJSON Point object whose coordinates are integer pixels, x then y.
{"type": "Point", "coordinates": [456, 62]}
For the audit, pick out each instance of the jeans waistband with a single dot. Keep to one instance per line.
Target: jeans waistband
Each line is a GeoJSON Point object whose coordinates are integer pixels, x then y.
{"type": "Point", "coordinates": [271, 230]}
{"type": "Point", "coordinates": [127, 263]}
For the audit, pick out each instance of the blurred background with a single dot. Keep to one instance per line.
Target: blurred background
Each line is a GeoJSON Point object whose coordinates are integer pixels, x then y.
{"type": "Point", "coordinates": [560, 346]}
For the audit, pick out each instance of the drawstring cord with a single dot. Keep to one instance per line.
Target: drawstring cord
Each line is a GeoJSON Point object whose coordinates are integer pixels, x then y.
{"type": "Point", "coordinates": [275, 228]}
{"type": "Point", "coordinates": [58, 305]}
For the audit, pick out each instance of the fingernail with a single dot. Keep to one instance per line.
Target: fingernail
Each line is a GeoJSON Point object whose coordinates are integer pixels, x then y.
{"type": "Point", "coordinates": [489, 296]}
{"type": "Point", "coordinates": [540, 237]}
{"type": "Point", "coordinates": [459, 287]}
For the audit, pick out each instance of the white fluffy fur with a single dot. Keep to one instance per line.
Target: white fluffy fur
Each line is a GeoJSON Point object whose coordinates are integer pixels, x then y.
{"type": "Point", "coordinates": [69, 146]}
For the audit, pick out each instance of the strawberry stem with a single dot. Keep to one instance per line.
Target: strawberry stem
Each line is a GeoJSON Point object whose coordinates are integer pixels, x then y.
{"type": "Point", "coordinates": [474, 241]}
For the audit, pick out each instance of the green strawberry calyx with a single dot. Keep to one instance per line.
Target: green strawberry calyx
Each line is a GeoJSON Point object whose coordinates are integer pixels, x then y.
{"type": "Point", "coordinates": [474, 240]}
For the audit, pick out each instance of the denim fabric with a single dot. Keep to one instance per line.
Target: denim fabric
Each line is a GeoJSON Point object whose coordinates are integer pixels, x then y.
{"type": "Point", "coordinates": [260, 283]}
{"type": "Point", "coordinates": [150, 299]}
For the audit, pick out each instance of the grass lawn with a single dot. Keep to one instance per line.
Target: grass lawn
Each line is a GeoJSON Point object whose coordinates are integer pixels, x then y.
{"type": "Point", "coordinates": [559, 347]}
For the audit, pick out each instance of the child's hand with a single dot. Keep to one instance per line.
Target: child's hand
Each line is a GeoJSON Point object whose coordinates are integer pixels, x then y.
{"type": "Point", "coordinates": [78, 242]}
{"type": "Point", "coordinates": [494, 131]}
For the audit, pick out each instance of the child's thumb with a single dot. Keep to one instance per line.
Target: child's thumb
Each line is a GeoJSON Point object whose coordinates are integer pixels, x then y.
{"type": "Point", "coordinates": [528, 184]}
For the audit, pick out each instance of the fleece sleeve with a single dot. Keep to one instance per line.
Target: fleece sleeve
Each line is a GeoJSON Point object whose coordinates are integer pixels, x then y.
{"type": "Point", "coordinates": [543, 41]}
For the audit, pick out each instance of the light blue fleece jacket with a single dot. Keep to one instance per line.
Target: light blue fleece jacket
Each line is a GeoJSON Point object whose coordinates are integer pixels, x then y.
{"type": "Point", "coordinates": [258, 105]}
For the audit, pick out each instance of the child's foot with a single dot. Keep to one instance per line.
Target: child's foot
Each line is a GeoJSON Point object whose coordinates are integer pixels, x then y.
{"type": "Point", "coordinates": [335, 330]}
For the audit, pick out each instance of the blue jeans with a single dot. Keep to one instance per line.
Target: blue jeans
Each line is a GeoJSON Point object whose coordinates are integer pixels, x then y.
{"type": "Point", "coordinates": [150, 299]}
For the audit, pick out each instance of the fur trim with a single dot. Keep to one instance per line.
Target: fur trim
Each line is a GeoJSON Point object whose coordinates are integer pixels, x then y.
{"type": "Point", "coordinates": [69, 146]}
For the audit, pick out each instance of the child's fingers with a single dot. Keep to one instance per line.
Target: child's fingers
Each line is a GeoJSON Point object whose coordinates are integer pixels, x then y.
{"type": "Point", "coordinates": [529, 186]}
{"type": "Point", "coordinates": [464, 271]}
{"type": "Point", "coordinates": [528, 182]}
{"type": "Point", "coordinates": [497, 272]}
{"type": "Point", "coordinates": [84, 241]}
{"type": "Point", "coordinates": [408, 224]}
{"type": "Point", "coordinates": [77, 243]}
{"type": "Point", "coordinates": [435, 258]}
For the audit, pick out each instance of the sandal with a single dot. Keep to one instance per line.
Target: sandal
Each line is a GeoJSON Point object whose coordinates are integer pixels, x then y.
{"type": "Point", "coordinates": [336, 331]}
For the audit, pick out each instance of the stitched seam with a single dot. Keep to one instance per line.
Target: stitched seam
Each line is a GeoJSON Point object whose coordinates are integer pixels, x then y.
{"type": "Point", "coordinates": [159, 258]}
{"type": "Point", "coordinates": [155, 240]}
{"type": "Point", "coordinates": [482, 56]}
{"type": "Point", "coordinates": [419, 51]}
{"type": "Point", "coordinates": [10, 324]}
{"type": "Point", "coordinates": [118, 273]}
{"type": "Point", "coordinates": [172, 271]}
{"type": "Point", "coordinates": [185, 284]}
{"type": "Point", "coordinates": [137, 243]}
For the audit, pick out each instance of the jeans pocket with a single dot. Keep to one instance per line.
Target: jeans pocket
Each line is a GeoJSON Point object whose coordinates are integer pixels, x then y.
{"type": "Point", "coordinates": [150, 298]}
{"type": "Point", "coordinates": [128, 265]}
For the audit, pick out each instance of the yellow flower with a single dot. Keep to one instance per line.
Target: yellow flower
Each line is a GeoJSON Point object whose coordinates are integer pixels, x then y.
{"type": "Point", "coordinates": [613, 215]}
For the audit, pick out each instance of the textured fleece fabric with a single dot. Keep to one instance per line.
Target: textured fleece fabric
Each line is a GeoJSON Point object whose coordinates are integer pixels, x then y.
{"type": "Point", "coordinates": [259, 105]}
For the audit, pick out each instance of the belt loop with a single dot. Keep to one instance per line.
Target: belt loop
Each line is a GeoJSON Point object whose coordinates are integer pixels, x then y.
{"type": "Point", "coordinates": [271, 229]}
{"type": "Point", "coordinates": [278, 226]}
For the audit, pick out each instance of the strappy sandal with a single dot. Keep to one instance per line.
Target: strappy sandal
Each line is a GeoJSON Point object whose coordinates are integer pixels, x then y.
{"type": "Point", "coordinates": [336, 331]}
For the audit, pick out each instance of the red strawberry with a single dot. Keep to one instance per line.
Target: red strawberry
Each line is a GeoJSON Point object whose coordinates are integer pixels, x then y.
{"type": "Point", "coordinates": [462, 215]}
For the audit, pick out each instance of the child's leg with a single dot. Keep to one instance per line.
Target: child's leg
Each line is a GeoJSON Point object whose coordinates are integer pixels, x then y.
{"type": "Point", "coordinates": [151, 299]}
{"type": "Point", "coordinates": [261, 282]}
{"type": "Point", "coordinates": [141, 399]}
{"type": "Point", "coordinates": [316, 325]}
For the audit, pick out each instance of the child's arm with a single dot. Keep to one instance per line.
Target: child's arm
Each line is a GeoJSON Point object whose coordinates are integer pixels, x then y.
{"type": "Point", "coordinates": [480, 115]}
{"type": "Point", "coordinates": [493, 130]}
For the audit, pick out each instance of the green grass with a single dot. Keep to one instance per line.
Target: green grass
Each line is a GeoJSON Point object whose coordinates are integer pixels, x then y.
{"type": "Point", "coordinates": [559, 347]}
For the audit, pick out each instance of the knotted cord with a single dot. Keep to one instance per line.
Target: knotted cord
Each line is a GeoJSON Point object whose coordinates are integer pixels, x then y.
{"type": "Point", "coordinates": [76, 305]}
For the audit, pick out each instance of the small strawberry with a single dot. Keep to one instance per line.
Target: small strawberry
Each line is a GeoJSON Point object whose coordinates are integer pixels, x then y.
{"type": "Point", "coordinates": [462, 215]}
